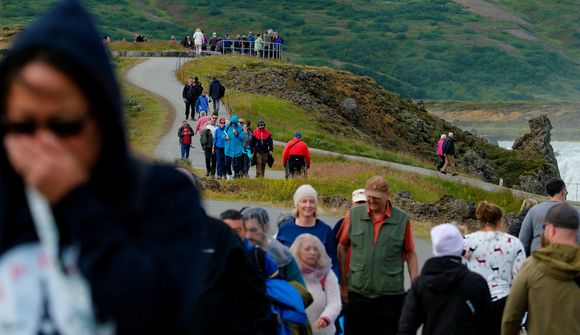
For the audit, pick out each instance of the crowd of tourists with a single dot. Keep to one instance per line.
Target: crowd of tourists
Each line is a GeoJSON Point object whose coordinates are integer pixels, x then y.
{"type": "Point", "coordinates": [94, 240]}
{"type": "Point", "coordinates": [266, 45]}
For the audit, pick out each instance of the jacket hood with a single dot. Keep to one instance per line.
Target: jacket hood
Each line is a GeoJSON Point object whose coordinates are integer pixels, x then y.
{"type": "Point", "coordinates": [234, 119]}
{"type": "Point", "coordinates": [443, 273]}
{"type": "Point", "coordinates": [559, 261]}
{"type": "Point", "coordinates": [69, 34]}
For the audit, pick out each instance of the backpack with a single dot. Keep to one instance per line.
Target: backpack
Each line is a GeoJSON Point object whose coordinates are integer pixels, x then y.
{"type": "Point", "coordinates": [287, 305]}
{"type": "Point", "coordinates": [206, 138]}
{"type": "Point", "coordinates": [222, 91]}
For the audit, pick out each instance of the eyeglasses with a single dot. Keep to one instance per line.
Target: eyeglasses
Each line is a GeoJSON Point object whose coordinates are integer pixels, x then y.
{"type": "Point", "coordinates": [58, 127]}
{"type": "Point", "coordinates": [222, 123]}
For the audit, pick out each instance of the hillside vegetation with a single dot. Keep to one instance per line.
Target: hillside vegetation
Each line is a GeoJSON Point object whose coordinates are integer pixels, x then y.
{"type": "Point", "coordinates": [434, 49]}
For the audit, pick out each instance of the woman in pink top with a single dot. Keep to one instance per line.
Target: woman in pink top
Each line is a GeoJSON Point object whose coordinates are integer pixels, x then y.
{"type": "Point", "coordinates": [440, 153]}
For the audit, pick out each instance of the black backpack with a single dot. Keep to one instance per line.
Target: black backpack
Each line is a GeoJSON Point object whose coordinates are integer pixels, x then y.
{"type": "Point", "coordinates": [222, 91]}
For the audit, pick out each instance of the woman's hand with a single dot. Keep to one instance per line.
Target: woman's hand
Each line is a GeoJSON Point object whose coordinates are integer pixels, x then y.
{"type": "Point", "coordinates": [321, 323]}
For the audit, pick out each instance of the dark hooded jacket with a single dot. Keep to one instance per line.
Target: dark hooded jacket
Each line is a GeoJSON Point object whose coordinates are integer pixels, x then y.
{"type": "Point", "coordinates": [447, 299]}
{"type": "Point", "coordinates": [135, 223]}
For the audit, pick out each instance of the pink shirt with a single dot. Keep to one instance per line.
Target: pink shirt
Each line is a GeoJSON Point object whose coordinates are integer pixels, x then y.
{"type": "Point", "coordinates": [201, 122]}
{"type": "Point", "coordinates": [440, 147]}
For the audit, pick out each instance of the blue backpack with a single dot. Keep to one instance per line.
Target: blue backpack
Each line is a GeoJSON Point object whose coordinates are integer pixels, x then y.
{"type": "Point", "coordinates": [286, 304]}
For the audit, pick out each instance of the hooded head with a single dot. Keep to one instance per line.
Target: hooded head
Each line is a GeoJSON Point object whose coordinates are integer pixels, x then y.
{"type": "Point", "coordinates": [234, 119]}
{"type": "Point", "coordinates": [66, 40]}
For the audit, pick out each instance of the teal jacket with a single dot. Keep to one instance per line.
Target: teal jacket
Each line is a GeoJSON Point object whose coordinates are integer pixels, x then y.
{"type": "Point", "coordinates": [235, 133]}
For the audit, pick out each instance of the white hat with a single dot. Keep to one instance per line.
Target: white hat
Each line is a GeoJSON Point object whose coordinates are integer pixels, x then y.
{"type": "Point", "coordinates": [359, 195]}
{"type": "Point", "coordinates": [303, 192]}
{"type": "Point", "coordinates": [447, 240]}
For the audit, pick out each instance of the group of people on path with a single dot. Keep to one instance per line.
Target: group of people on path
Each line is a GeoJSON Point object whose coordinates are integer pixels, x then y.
{"type": "Point", "coordinates": [446, 154]}
{"type": "Point", "coordinates": [197, 100]}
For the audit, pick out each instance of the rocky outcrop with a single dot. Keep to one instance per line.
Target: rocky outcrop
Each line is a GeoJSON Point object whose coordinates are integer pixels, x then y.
{"type": "Point", "coordinates": [475, 165]}
{"type": "Point", "coordinates": [537, 141]}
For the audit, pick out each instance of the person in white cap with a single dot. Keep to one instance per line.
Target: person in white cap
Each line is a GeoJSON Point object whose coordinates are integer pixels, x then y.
{"type": "Point", "coordinates": [305, 221]}
{"type": "Point", "coordinates": [447, 298]}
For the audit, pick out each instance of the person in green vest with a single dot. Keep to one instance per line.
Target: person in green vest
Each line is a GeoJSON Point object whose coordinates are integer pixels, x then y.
{"type": "Point", "coordinates": [381, 240]}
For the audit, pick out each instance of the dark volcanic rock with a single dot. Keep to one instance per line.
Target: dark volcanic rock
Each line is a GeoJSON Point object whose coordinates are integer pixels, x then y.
{"type": "Point", "coordinates": [475, 165]}
{"type": "Point", "coordinates": [537, 141]}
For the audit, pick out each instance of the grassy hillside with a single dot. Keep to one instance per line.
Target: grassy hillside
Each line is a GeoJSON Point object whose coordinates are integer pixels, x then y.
{"type": "Point", "coordinates": [435, 49]}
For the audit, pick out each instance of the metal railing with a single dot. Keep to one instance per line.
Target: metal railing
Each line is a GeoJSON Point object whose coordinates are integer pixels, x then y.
{"type": "Point", "coordinates": [268, 50]}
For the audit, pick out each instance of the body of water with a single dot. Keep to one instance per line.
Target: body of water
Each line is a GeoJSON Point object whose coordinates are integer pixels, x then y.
{"type": "Point", "coordinates": [568, 157]}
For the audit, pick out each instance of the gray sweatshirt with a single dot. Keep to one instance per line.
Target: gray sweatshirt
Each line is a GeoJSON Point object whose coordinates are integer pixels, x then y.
{"type": "Point", "coordinates": [533, 226]}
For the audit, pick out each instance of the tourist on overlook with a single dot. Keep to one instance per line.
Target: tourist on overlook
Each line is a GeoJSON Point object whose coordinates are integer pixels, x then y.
{"type": "Point", "coordinates": [321, 282]}
{"type": "Point", "coordinates": [216, 93]}
{"type": "Point", "coordinates": [233, 136]}
{"type": "Point", "coordinates": [447, 298]}
{"type": "Point", "coordinates": [495, 255]}
{"type": "Point", "coordinates": [259, 233]}
{"type": "Point", "coordinates": [185, 133]}
{"type": "Point", "coordinates": [305, 221]}
{"type": "Point", "coordinates": [172, 40]}
{"type": "Point", "coordinates": [449, 152]}
{"type": "Point", "coordinates": [262, 147]}
{"type": "Point", "coordinates": [514, 228]}
{"type": "Point", "coordinates": [547, 286]}
{"type": "Point", "coordinates": [251, 40]}
{"type": "Point", "coordinates": [219, 143]}
{"type": "Point", "coordinates": [189, 97]}
{"type": "Point", "coordinates": [296, 156]}
{"type": "Point", "coordinates": [259, 45]}
{"type": "Point", "coordinates": [247, 152]}
{"type": "Point", "coordinates": [533, 224]}
{"type": "Point", "coordinates": [373, 286]}
{"type": "Point", "coordinates": [440, 153]}
{"type": "Point", "coordinates": [93, 239]}
{"type": "Point", "coordinates": [198, 41]}
{"type": "Point", "coordinates": [186, 42]}
{"type": "Point", "coordinates": [213, 42]}
{"type": "Point", "coordinates": [204, 41]}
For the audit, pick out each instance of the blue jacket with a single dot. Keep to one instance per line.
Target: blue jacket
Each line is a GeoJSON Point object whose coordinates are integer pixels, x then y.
{"type": "Point", "coordinates": [218, 139]}
{"type": "Point", "coordinates": [202, 104]}
{"type": "Point", "coordinates": [137, 236]}
{"type": "Point", "coordinates": [234, 147]}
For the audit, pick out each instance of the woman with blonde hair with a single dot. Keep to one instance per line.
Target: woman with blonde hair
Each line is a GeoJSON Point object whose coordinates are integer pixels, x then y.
{"type": "Point", "coordinates": [495, 255]}
{"type": "Point", "coordinates": [514, 229]}
{"type": "Point", "coordinates": [321, 283]}
{"type": "Point", "coordinates": [198, 41]}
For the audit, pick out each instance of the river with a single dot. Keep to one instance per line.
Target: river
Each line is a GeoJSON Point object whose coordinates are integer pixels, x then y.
{"type": "Point", "coordinates": [568, 157]}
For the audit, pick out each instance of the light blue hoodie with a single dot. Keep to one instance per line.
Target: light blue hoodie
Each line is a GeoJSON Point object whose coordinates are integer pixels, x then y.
{"type": "Point", "coordinates": [233, 146]}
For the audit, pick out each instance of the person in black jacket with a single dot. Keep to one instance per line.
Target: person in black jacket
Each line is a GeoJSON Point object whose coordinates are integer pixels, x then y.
{"type": "Point", "coordinates": [189, 98]}
{"type": "Point", "coordinates": [514, 228]}
{"type": "Point", "coordinates": [447, 298]}
{"type": "Point", "coordinates": [216, 92]}
{"type": "Point", "coordinates": [449, 152]}
{"type": "Point", "coordinates": [131, 229]}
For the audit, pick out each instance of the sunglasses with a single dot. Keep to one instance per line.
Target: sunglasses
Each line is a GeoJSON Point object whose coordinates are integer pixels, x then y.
{"type": "Point", "coordinates": [57, 127]}
{"type": "Point", "coordinates": [222, 123]}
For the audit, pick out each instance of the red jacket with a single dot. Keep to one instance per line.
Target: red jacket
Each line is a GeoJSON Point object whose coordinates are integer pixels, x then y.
{"type": "Point", "coordinates": [296, 148]}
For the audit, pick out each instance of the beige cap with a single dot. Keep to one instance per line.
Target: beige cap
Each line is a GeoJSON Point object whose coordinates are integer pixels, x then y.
{"type": "Point", "coordinates": [359, 195]}
{"type": "Point", "coordinates": [377, 187]}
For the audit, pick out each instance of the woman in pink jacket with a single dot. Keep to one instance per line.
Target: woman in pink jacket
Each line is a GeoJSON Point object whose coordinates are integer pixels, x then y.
{"type": "Point", "coordinates": [440, 153]}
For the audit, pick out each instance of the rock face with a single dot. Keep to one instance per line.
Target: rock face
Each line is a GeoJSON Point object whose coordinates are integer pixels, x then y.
{"type": "Point", "coordinates": [479, 167]}
{"type": "Point", "coordinates": [533, 143]}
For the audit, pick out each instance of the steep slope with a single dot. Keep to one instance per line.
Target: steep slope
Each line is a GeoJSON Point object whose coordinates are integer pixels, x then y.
{"type": "Point", "coordinates": [435, 49]}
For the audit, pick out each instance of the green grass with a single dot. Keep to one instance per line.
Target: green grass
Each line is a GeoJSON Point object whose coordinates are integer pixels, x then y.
{"type": "Point", "coordinates": [144, 114]}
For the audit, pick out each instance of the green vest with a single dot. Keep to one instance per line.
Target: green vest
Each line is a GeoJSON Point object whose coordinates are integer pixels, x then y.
{"type": "Point", "coordinates": [376, 269]}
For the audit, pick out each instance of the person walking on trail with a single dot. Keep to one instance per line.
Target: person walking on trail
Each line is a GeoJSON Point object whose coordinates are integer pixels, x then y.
{"type": "Point", "coordinates": [548, 285]}
{"type": "Point", "coordinates": [202, 104]}
{"type": "Point", "coordinates": [198, 41]}
{"type": "Point", "coordinates": [92, 238]}
{"type": "Point", "coordinates": [449, 152]}
{"type": "Point", "coordinates": [185, 134]}
{"type": "Point", "coordinates": [216, 93]}
{"type": "Point", "coordinates": [201, 122]}
{"type": "Point", "coordinates": [262, 147]}
{"type": "Point", "coordinates": [533, 224]}
{"type": "Point", "coordinates": [447, 298]}
{"type": "Point", "coordinates": [296, 156]}
{"type": "Point", "coordinates": [440, 153]}
{"type": "Point", "coordinates": [305, 221]}
{"type": "Point", "coordinates": [233, 136]}
{"type": "Point", "coordinates": [247, 152]}
{"type": "Point", "coordinates": [321, 282]}
{"type": "Point", "coordinates": [206, 141]}
{"type": "Point", "coordinates": [370, 293]}
{"type": "Point", "coordinates": [219, 143]}
{"type": "Point", "coordinates": [189, 97]}
{"type": "Point", "coordinates": [495, 255]}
